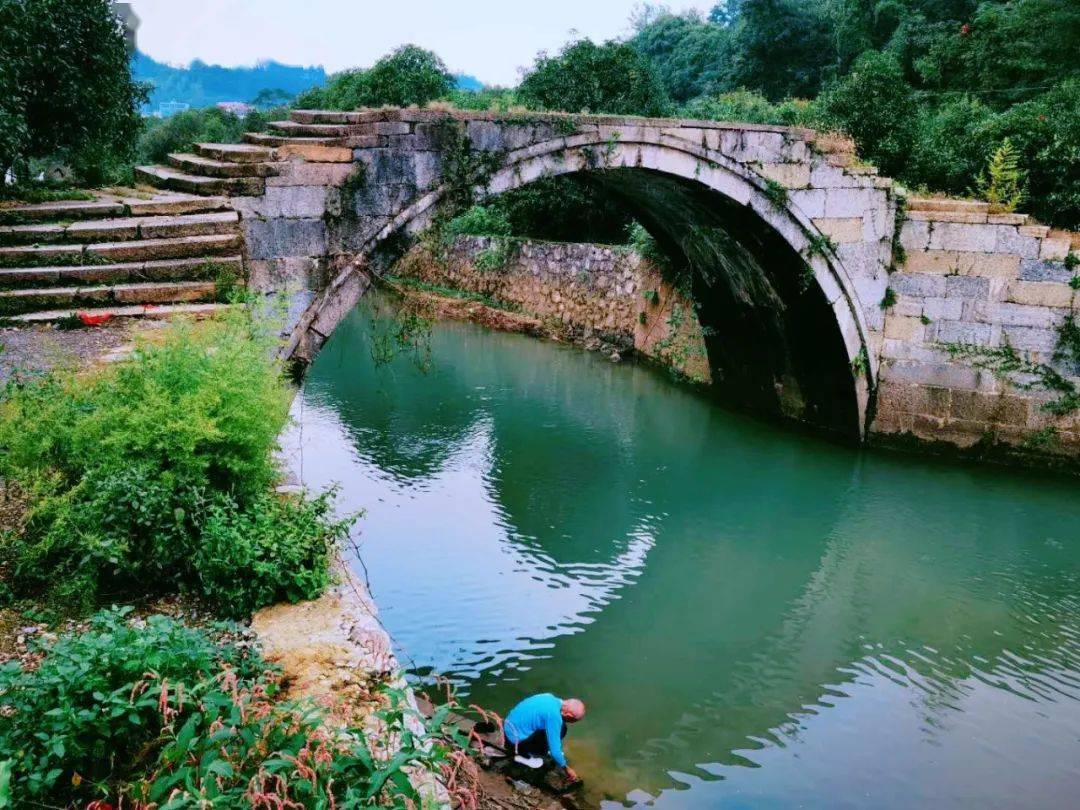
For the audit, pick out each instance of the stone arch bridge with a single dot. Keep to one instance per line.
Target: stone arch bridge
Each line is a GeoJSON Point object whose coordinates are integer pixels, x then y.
{"type": "Point", "coordinates": [821, 285]}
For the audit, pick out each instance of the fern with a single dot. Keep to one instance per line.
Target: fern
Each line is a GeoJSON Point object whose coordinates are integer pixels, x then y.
{"type": "Point", "coordinates": [1003, 184]}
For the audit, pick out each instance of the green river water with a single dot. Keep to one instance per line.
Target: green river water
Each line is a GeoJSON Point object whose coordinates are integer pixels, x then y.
{"type": "Point", "coordinates": [755, 617]}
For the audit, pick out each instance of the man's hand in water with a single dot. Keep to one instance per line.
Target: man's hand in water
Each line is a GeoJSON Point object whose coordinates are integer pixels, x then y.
{"type": "Point", "coordinates": [572, 774]}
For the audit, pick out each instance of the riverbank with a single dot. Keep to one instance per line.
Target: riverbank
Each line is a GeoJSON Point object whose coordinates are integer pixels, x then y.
{"type": "Point", "coordinates": [328, 652]}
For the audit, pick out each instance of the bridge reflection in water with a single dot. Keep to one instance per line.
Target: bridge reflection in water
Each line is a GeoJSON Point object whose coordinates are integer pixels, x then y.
{"type": "Point", "coordinates": [757, 615]}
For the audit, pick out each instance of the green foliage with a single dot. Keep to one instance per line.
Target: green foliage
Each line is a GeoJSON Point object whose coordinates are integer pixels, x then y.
{"type": "Point", "coordinates": [407, 76]}
{"type": "Point", "coordinates": [644, 244]}
{"type": "Point", "coordinates": [888, 301]}
{"type": "Point", "coordinates": [128, 466]}
{"type": "Point", "coordinates": [776, 192]}
{"type": "Point", "coordinates": [693, 58]}
{"type": "Point", "coordinates": [66, 91]}
{"type": "Point", "coordinates": [1002, 184]}
{"type": "Point", "coordinates": [610, 78]}
{"type": "Point", "coordinates": [495, 99]}
{"type": "Point", "coordinates": [1006, 364]}
{"type": "Point", "coordinates": [275, 550]}
{"type": "Point", "coordinates": [480, 220]}
{"type": "Point", "coordinates": [1072, 261]}
{"type": "Point", "coordinates": [169, 716]}
{"type": "Point", "coordinates": [752, 108]}
{"type": "Point", "coordinates": [875, 106]}
{"type": "Point", "coordinates": [91, 707]}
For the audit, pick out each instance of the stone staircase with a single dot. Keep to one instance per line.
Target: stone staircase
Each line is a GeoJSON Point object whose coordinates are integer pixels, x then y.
{"type": "Point", "coordinates": [126, 253]}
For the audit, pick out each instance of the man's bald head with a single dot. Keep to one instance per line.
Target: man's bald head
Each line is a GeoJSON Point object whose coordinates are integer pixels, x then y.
{"type": "Point", "coordinates": [572, 710]}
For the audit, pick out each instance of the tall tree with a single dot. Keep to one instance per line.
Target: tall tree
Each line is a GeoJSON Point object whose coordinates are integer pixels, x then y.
{"type": "Point", "coordinates": [66, 89]}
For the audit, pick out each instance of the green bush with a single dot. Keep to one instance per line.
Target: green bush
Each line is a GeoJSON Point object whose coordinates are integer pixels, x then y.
{"type": "Point", "coordinates": [126, 466]}
{"type": "Point", "coordinates": [164, 715]}
{"type": "Point", "coordinates": [875, 106]}
{"type": "Point", "coordinates": [749, 107]}
{"type": "Point", "coordinates": [276, 550]}
{"type": "Point", "coordinates": [410, 75]}
{"type": "Point", "coordinates": [611, 78]}
{"type": "Point", "coordinates": [91, 707]}
{"type": "Point", "coordinates": [480, 220]}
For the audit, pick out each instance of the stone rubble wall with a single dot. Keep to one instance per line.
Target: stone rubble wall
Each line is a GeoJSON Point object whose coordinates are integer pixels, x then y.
{"type": "Point", "coordinates": [977, 279]}
{"type": "Point", "coordinates": [595, 291]}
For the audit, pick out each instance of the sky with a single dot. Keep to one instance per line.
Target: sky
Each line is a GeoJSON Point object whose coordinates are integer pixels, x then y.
{"type": "Point", "coordinates": [489, 39]}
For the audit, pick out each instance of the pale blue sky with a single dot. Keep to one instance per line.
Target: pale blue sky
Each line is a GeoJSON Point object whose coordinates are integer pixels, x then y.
{"type": "Point", "coordinates": [487, 38]}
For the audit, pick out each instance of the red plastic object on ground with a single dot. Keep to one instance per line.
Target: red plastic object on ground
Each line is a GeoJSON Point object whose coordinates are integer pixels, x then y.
{"type": "Point", "coordinates": [94, 320]}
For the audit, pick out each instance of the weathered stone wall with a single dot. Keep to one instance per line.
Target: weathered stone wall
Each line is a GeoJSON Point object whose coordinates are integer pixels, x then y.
{"type": "Point", "coordinates": [971, 285]}
{"type": "Point", "coordinates": [595, 291]}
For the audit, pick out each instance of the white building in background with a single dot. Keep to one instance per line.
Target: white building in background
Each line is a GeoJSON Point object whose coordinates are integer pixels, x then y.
{"type": "Point", "coordinates": [237, 108]}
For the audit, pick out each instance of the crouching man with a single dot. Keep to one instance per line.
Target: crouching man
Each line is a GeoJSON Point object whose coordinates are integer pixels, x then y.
{"type": "Point", "coordinates": [536, 726]}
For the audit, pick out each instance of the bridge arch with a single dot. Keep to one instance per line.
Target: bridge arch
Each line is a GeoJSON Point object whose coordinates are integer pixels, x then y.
{"type": "Point", "coordinates": [614, 152]}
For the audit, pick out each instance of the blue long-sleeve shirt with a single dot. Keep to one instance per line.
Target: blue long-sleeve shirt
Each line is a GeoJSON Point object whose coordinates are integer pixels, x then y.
{"type": "Point", "coordinates": [539, 712]}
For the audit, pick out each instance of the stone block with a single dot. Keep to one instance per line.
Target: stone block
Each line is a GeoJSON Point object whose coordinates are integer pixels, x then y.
{"type": "Point", "coordinates": [280, 238]}
{"type": "Point", "coordinates": [484, 136]}
{"type": "Point", "coordinates": [958, 236]}
{"type": "Point", "coordinates": [388, 128]}
{"type": "Point", "coordinates": [1039, 270]}
{"type": "Point", "coordinates": [948, 375]}
{"type": "Point", "coordinates": [967, 332]}
{"type": "Point", "coordinates": [1015, 241]}
{"type": "Point", "coordinates": [312, 174]}
{"type": "Point", "coordinates": [950, 262]}
{"type": "Point", "coordinates": [1040, 293]}
{"type": "Point", "coordinates": [315, 153]}
{"type": "Point", "coordinates": [294, 202]}
{"type": "Point", "coordinates": [968, 217]}
{"type": "Point", "coordinates": [898, 327]}
{"type": "Point", "coordinates": [1031, 339]}
{"type": "Point", "coordinates": [1005, 314]}
{"type": "Point", "coordinates": [943, 309]}
{"type": "Point", "coordinates": [789, 175]}
{"type": "Point", "coordinates": [915, 236]}
{"type": "Point", "coordinates": [274, 275]}
{"type": "Point", "coordinates": [810, 201]}
{"type": "Point", "coordinates": [1007, 219]}
{"type": "Point", "coordinates": [1036, 231]}
{"type": "Point", "coordinates": [923, 285]}
{"type": "Point", "coordinates": [1054, 249]}
{"type": "Point", "coordinates": [847, 229]}
{"type": "Point", "coordinates": [966, 287]}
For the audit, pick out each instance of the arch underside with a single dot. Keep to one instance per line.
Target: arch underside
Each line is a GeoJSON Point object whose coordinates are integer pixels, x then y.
{"type": "Point", "coordinates": [783, 328]}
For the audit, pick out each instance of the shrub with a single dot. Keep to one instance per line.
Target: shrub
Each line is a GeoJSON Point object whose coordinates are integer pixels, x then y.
{"type": "Point", "coordinates": [126, 467]}
{"type": "Point", "coordinates": [276, 550]}
{"type": "Point", "coordinates": [479, 220]}
{"type": "Point", "coordinates": [66, 90]}
{"type": "Point", "coordinates": [165, 715]}
{"type": "Point", "coordinates": [410, 75]}
{"type": "Point", "coordinates": [749, 107]}
{"type": "Point", "coordinates": [585, 77]}
{"type": "Point", "coordinates": [874, 104]}
{"type": "Point", "coordinates": [88, 714]}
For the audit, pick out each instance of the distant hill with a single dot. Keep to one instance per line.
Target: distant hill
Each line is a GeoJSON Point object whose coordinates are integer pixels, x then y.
{"type": "Point", "coordinates": [203, 85]}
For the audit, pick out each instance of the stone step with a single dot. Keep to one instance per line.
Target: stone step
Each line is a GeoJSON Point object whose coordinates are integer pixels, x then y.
{"type": "Point", "coordinates": [196, 269]}
{"type": "Point", "coordinates": [185, 247]}
{"type": "Point", "coordinates": [165, 177]}
{"type": "Point", "coordinates": [173, 204]}
{"type": "Point", "coordinates": [197, 311]}
{"type": "Point", "coordinates": [208, 167]}
{"type": "Point", "coordinates": [235, 152]}
{"type": "Point", "coordinates": [293, 128]}
{"type": "Point", "coordinates": [62, 209]}
{"type": "Point", "coordinates": [20, 302]}
{"type": "Point", "coordinates": [121, 230]}
{"type": "Point", "coordinates": [946, 204]}
{"type": "Point", "coordinates": [270, 140]}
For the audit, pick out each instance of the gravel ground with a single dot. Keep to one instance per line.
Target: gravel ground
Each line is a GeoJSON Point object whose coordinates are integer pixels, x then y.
{"type": "Point", "coordinates": [39, 348]}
